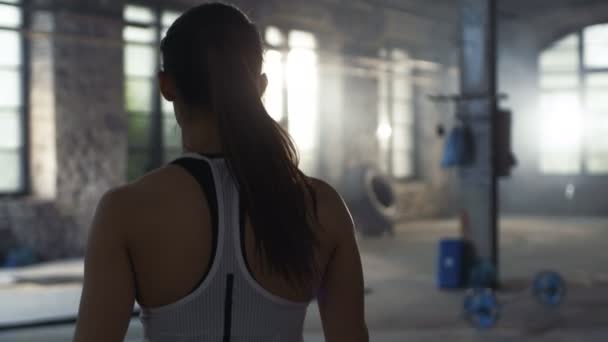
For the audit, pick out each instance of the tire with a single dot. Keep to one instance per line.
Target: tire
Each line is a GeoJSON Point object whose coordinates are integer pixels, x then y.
{"type": "Point", "coordinates": [371, 199]}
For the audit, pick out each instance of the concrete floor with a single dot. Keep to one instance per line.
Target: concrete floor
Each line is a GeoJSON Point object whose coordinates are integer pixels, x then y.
{"type": "Point", "coordinates": [404, 303]}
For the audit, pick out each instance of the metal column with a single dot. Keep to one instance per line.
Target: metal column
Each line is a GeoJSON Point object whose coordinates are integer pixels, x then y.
{"type": "Point", "coordinates": [478, 107]}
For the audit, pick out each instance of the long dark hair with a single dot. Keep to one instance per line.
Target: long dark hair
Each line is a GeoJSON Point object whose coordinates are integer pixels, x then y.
{"type": "Point", "coordinates": [214, 53]}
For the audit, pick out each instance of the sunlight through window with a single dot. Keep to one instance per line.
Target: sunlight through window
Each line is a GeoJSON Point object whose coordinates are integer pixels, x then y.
{"type": "Point", "coordinates": [12, 139]}
{"type": "Point", "coordinates": [574, 127]}
{"type": "Point", "coordinates": [294, 73]}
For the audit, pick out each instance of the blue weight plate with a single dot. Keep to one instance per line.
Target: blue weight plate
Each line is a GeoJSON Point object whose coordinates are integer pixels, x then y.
{"type": "Point", "coordinates": [481, 308]}
{"type": "Point", "coordinates": [549, 288]}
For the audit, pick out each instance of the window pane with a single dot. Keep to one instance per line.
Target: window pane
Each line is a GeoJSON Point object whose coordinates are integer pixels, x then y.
{"type": "Point", "coordinates": [138, 162]}
{"type": "Point", "coordinates": [399, 55]}
{"type": "Point", "coordinates": [597, 143]}
{"type": "Point", "coordinates": [139, 130]}
{"type": "Point", "coordinates": [10, 172]}
{"type": "Point", "coordinates": [308, 162]}
{"type": "Point", "coordinates": [551, 81]}
{"type": "Point", "coordinates": [172, 134]}
{"type": "Point", "coordinates": [10, 16]}
{"type": "Point", "coordinates": [139, 95]}
{"type": "Point", "coordinates": [274, 36]}
{"type": "Point", "coordinates": [597, 80]}
{"type": "Point", "coordinates": [596, 46]}
{"type": "Point", "coordinates": [569, 42]}
{"type": "Point", "coordinates": [167, 107]}
{"type": "Point", "coordinates": [302, 39]}
{"type": "Point", "coordinates": [598, 133]}
{"type": "Point", "coordinates": [402, 151]}
{"type": "Point", "coordinates": [401, 67]}
{"type": "Point", "coordinates": [169, 17]}
{"type": "Point", "coordinates": [561, 60]}
{"type": "Point", "coordinates": [402, 88]}
{"type": "Point", "coordinates": [402, 166]}
{"type": "Point", "coordinates": [140, 61]}
{"type": "Point", "coordinates": [564, 162]}
{"type": "Point", "coordinates": [597, 162]}
{"type": "Point", "coordinates": [561, 133]}
{"type": "Point", "coordinates": [139, 35]}
{"type": "Point", "coordinates": [11, 48]}
{"type": "Point", "coordinates": [402, 138]}
{"type": "Point", "coordinates": [10, 130]}
{"type": "Point", "coordinates": [596, 100]}
{"type": "Point", "coordinates": [384, 130]}
{"type": "Point", "coordinates": [596, 56]}
{"type": "Point", "coordinates": [597, 92]}
{"type": "Point", "coordinates": [273, 98]}
{"type": "Point", "coordinates": [10, 89]}
{"type": "Point", "coordinates": [139, 14]}
{"type": "Point", "coordinates": [402, 113]}
{"type": "Point", "coordinates": [302, 98]}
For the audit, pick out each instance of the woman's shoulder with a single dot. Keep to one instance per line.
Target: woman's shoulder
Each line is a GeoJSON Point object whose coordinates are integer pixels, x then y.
{"type": "Point", "coordinates": [146, 192]}
{"type": "Point", "coordinates": [333, 212]}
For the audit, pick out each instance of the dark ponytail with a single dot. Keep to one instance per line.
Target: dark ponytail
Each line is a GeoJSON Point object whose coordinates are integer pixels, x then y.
{"type": "Point", "coordinates": [214, 53]}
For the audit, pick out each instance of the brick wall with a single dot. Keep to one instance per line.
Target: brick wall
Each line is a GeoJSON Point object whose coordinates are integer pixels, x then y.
{"type": "Point", "coordinates": [91, 121]}
{"type": "Point", "coordinates": [78, 125]}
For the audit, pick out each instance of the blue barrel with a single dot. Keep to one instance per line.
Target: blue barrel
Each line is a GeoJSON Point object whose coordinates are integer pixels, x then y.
{"type": "Point", "coordinates": [451, 263]}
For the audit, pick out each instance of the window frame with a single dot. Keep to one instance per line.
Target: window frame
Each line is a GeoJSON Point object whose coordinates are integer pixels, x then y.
{"type": "Point", "coordinates": [582, 74]}
{"type": "Point", "coordinates": [285, 48]}
{"type": "Point", "coordinates": [390, 104]}
{"type": "Point", "coordinates": [24, 188]}
{"type": "Point", "coordinates": [155, 148]}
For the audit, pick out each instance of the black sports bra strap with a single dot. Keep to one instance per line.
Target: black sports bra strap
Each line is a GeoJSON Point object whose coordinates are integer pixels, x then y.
{"type": "Point", "coordinates": [201, 171]}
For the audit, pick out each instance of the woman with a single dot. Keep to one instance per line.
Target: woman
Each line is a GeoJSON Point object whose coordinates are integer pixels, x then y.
{"type": "Point", "coordinates": [230, 242]}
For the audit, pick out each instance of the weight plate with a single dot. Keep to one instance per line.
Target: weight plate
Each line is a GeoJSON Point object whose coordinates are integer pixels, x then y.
{"type": "Point", "coordinates": [481, 308]}
{"type": "Point", "coordinates": [549, 288]}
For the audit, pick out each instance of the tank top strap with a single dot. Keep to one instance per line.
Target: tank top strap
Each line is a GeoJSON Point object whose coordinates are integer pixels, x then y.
{"type": "Point", "coordinates": [228, 214]}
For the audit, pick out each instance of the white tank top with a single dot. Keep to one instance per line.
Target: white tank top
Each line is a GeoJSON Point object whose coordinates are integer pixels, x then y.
{"type": "Point", "coordinates": [228, 305]}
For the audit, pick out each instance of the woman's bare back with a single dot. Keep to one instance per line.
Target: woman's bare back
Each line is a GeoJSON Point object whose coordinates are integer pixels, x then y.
{"type": "Point", "coordinates": [171, 241]}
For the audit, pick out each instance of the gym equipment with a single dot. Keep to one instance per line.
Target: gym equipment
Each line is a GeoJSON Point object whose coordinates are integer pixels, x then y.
{"type": "Point", "coordinates": [549, 288]}
{"type": "Point", "coordinates": [458, 150]}
{"type": "Point", "coordinates": [371, 199]}
{"type": "Point", "coordinates": [482, 308]}
{"type": "Point", "coordinates": [482, 274]}
{"type": "Point", "coordinates": [450, 266]}
{"type": "Point", "coordinates": [19, 257]}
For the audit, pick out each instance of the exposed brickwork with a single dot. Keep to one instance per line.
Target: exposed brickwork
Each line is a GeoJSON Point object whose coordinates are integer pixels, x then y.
{"type": "Point", "coordinates": [41, 227]}
{"type": "Point", "coordinates": [91, 129]}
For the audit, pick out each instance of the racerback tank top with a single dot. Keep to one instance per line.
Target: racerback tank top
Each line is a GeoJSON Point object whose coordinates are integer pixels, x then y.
{"type": "Point", "coordinates": [228, 305]}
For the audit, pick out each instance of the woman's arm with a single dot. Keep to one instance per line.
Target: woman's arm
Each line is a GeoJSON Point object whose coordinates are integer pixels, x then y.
{"type": "Point", "coordinates": [341, 301]}
{"type": "Point", "coordinates": [109, 292]}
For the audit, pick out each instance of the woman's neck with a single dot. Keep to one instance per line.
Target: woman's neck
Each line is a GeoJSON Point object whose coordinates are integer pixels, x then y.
{"type": "Point", "coordinates": [201, 137]}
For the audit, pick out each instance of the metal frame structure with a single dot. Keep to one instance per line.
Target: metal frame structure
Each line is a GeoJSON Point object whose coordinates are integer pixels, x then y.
{"type": "Point", "coordinates": [479, 87]}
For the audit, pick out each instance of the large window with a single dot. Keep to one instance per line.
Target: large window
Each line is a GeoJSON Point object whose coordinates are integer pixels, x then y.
{"type": "Point", "coordinates": [154, 136]}
{"type": "Point", "coordinates": [291, 63]}
{"type": "Point", "coordinates": [396, 119]}
{"type": "Point", "coordinates": [12, 112]}
{"type": "Point", "coordinates": [574, 89]}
